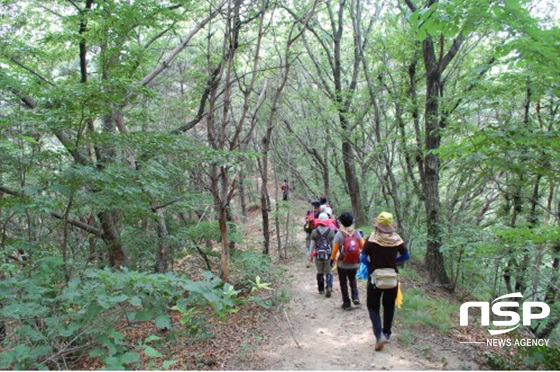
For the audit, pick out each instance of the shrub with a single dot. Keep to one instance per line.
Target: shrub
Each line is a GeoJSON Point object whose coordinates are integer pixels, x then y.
{"type": "Point", "coordinates": [527, 358]}
{"type": "Point", "coordinates": [50, 320]}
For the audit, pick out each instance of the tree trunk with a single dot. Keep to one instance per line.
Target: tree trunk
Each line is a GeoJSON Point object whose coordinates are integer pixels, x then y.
{"type": "Point", "coordinates": [430, 181]}
{"type": "Point", "coordinates": [277, 216]}
{"type": "Point", "coordinates": [265, 201]}
{"type": "Point", "coordinates": [162, 258]}
{"type": "Point", "coordinates": [225, 257]}
{"type": "Point", "coordinates": [352, 181]}
{"type": "Point", "coordinates": [111, 237]}
{"type": "Point", "coordinates": [242, 197]}
{"type": "Point", "coordinates": [551, 294]}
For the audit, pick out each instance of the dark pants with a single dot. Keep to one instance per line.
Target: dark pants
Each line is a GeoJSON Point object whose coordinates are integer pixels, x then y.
{"type": "Point", "coordinates": [324, 272]}
{"type": "Point", "coordinates": [374, 299]}
{"type": "Point", "coordinates": [345, 276]}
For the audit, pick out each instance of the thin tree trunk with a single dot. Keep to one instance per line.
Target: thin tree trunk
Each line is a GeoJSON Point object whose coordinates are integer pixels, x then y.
{"type": "Point", "coordinates": [265, 202]}
{"type": "Point", "coordinates": [242, 196]}
{"type": "Point", "coordinates": [162, 258]}
{"type": "Point", "coordinates": [277, 215]}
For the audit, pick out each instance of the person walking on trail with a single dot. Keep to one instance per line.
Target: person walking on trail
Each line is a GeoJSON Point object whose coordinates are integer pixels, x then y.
{"type": "Point", "coordinates": [310, 217]}
{"type": "Point", "coordinates": [321, 248]}
{"type": "Point", "coordinates": [381, 252]}
{"type": "Point", "coordinates": [285, 190]}
{"type": "Point", "coordinates": [348, 243]}
{"type": "Point", "coordinates": [333, 224]}
{"type": "Point", "coordinates": [324, 204]}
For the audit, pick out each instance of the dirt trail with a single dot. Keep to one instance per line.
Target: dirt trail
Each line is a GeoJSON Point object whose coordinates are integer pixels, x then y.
{"type": "Point", "coordinates": [312, 332]}
{"type": "Point", "coordinates": [329, 338]}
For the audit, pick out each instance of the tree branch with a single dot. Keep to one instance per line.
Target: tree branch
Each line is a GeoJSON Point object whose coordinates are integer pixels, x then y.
{"type": "Point", "coordinates": [84, 226]}
{"type": "Point", "coordinates": [167, 61]}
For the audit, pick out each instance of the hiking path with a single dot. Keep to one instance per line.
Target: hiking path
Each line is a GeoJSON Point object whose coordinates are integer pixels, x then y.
{"type": "Point", "coordinates": [312, 332]}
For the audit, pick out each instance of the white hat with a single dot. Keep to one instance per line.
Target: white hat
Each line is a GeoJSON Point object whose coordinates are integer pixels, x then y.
{"type": "Point", "coordinates": [323, 217]}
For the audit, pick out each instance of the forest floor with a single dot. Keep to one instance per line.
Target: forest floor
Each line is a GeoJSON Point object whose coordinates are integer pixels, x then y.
{"type": "Point", "coordinates": [312, 332]}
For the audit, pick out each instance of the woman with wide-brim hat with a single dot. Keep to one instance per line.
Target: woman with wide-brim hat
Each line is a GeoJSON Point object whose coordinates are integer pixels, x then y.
{"type": "Point", "coordinates": [381, 252]}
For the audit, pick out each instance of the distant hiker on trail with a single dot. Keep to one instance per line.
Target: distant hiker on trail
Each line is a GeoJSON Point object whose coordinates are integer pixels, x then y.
{"type": "Point", "coordinates": [285, 190]}
{"type": "Point", "coordinates": [324, 204]}
{"type": "Point", "coordinates": [308, 227]}
{"type": "Point", "coordinates": [333, 224]}
{"type": "Point", "coordinates": [383, 249]}
{"type": "Point", "coordinates": [348, 242]}
{"type": "Point", "coordinates": [321, 248]}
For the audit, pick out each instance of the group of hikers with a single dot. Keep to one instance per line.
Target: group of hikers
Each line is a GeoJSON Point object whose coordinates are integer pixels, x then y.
{"type": "Point", "coordinates": [334, 243]}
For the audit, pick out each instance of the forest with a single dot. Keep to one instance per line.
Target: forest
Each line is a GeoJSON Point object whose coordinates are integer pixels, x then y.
{"type": "Point", "coordinates": [143, 144]}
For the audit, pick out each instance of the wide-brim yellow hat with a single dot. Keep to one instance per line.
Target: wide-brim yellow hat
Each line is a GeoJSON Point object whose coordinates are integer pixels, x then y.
{"type": "Point", "coordinates": [385, 222]}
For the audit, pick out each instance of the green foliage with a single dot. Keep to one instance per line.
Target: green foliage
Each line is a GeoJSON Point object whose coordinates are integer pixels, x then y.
{"type": "Point", "coordinates": [406, 337]}
{"type": "Point", "coordinates": [526, 358]}
{"type": "Point", "coordinates": [51, 319]}
{"type": "Point", "coordinates": [448, 18]}
{"type": "Point", "coordinates": [248, 265]}
{"type": "Point", "coordinates": [258, 285]}
{"type": "Point", "coordinates": [420, 310]}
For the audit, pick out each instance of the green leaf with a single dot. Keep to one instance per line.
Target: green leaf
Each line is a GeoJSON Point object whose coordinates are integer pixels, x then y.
{"type": "Point", "coordinates": [151, 352]}
{"type": "Point", "coordinates": [163, 321]}
{"type": "Point", "coordinates": [144, 315]}
{"type": "Point", "coordinates": [151, 338]}
{"type": "Point", "coordinates": [168, 363]}
{"type": "Point", "coordinates": [113, 364]}
{"type": "Point", "coordinates": [96, 353]}
{"type": "Point", "coordinates": [421, 35]}
{"type": "Point", "coordinates": [28, 139]}
{"type": "Point", "coordinates": [135, 301]}
{"type": "Point", "coordinates": [120, 298]}
{"type": "Point", "coordinates": [129, 357]}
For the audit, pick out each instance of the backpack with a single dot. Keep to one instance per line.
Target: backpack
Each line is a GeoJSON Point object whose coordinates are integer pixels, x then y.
{"type": "Point", "coordinates": [351, 249]}
{"type": "Point", "coordinates": [323, 246]}
{"type": "Point", "coordinates": [309, 218]}
{"type": "Point", "coordinates": [332, 225]}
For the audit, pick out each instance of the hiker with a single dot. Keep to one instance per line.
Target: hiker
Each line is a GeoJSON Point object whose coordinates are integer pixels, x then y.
{"type": "Point", "coordinates": [348, 242]}
{"type": "Point", "coordinates": [310, 217]}
{"type": "Point", "coordinates": [324, 204]}
{"type": "Point", "coordinates": [381, 252]}
{"type": "Point", "coordinates": [333, 224]}
{"type": "Point", "coordinates": [321, 248]}
{"type": "Point", "coordinates": [285, 190]}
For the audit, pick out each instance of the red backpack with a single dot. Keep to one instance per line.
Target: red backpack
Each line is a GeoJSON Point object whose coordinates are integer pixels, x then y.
{"type": "Point", "coordinates": [351, 248]}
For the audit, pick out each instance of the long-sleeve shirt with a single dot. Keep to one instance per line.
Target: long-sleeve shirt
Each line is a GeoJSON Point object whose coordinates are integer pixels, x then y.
{"type": "Point", "coordinates": [376, 256]}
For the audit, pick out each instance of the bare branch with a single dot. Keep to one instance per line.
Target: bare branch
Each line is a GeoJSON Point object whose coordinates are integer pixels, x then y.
{"type": "Point", "coordinates": [167, 61]}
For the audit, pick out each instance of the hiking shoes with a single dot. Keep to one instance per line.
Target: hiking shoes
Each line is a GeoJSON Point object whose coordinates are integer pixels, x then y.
{"type": "Point", "coordinates": [356, 301]}
{"type": "Point", "coordinates": [387, 337]}
{"type": "Point", "coordinates": [346, 307]}
{"type": "Point", "coordinates": [381, 341]}
{"type": "Point", "coordinates": [321, 292]}
{"type": "Point", "coordinates": [329, 291]}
